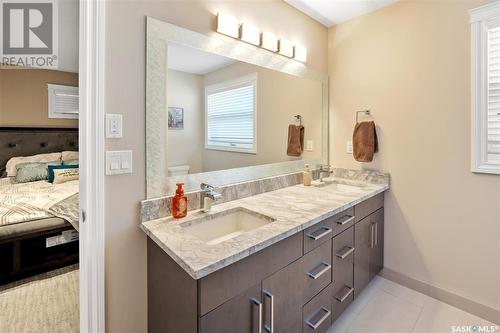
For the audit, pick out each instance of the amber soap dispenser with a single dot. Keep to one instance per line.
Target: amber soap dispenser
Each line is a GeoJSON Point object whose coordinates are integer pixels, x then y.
{"type": "Point", "coordinates": [179, 203]}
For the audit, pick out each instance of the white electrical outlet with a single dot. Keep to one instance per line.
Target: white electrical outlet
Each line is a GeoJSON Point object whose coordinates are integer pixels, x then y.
{"type": "Point", "coordinates": [114, 126]}
{"type": "Point", "coordinates": [348, 147]}
{"type": "Point", "coordinates": [309, 145]}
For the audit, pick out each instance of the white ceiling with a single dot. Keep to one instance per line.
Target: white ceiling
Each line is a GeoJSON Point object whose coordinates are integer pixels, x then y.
{"type": "Point", "coordinates": [189, 60]}
{"type": "Point", "coordinates": [331, 12]}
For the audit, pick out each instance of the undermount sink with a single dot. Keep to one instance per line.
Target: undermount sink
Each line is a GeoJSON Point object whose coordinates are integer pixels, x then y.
{"type": "Point", "coordinates": [219, 227]}
{"type": "Point", "coordinates": [336, 186]}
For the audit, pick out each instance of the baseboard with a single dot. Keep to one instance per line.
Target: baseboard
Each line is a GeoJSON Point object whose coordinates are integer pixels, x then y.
{"type": "Point", "coordinates": [457, 301]}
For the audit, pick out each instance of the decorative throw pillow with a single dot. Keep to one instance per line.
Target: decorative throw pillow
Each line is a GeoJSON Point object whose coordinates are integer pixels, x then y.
{"type": "Point", "coordinates": [10, 167]}
{"type": "Point", "coordinates": [70, 162]}
{"type": "Point", "coordinates": [53, 168]}
{"type": "Point", "coordinates": [31, 172]}
{"type": "Point", "coordinates": [65, 175]}
{"type": "Point", "coordinates": [70, 155]}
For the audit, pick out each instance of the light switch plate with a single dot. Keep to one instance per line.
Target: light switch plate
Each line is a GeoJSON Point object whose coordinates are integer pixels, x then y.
{"type": "Point", "coordinates": [309, 145]}
{"type": "Point", "coordinates": [118, 162]}
{"type": "Point", "coordinates": [114, 126]}
{"type": "Point", "coordinates": [348, 147]}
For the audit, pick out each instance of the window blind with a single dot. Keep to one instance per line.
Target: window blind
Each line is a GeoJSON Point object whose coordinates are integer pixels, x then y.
{"type": "Point", "coordinates": [230, 117]}
{"type": "Point", "coordinates": [494, 95]}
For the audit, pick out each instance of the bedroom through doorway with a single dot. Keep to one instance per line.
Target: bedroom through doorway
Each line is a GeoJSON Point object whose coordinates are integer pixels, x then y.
{"type": "Point", "coordinates": [39, 171]}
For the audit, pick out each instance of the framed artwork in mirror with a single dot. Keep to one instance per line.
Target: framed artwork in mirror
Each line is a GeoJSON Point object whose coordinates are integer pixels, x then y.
{"type": "Point", "coordinates": [175, 118]}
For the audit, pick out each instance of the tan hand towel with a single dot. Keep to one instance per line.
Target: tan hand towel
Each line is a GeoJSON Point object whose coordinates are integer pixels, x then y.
{"type": "Point", "coordinates": [364, 141]}
{"type": "Point", "coordinates": [295, 140]}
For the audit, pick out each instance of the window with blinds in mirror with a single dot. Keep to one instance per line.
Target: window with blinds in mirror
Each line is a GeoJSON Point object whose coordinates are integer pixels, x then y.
{"type": "Point", "coordinates": [485, 43]}
{"type": "Point", "coordinates": [230, 115]}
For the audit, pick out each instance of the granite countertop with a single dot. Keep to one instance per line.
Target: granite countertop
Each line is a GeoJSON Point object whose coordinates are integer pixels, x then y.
{"type": "Point", "coordinates": [294, 209]}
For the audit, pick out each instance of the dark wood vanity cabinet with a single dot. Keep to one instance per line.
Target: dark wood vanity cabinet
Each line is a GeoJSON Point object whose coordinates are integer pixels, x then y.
{"type": "Point", "coordinates": [298, 285]}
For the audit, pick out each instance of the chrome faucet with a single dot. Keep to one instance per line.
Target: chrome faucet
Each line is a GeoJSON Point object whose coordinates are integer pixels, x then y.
{"type": "Point", "coordinates": [324, 169]}
{"type": "Point", "coordinates": [208, 196]}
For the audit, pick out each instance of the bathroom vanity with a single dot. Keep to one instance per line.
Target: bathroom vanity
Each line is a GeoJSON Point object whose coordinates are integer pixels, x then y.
{"type": "Point", "coordinates": [290, 260]}
{"type": "Point", "coordinates": [272, 255]}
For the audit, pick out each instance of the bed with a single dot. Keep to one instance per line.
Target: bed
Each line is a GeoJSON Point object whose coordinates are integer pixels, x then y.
{"type": "Point", "coordinates": [38, 220]}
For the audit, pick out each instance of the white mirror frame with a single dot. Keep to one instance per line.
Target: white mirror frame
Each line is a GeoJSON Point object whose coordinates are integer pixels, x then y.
{"type": "Point", "coordinates": [158, 35]}
{"type": "Point", "coordinates": [481, 19]}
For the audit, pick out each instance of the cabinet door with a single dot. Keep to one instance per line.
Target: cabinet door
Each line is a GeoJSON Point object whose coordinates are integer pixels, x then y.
{"type": "Point", "coordinates": [282, 299]}
{"type": "Point", "coordinates": [377, 252]}
{"type": "Point", "coordinates": [363, 241]}
{"type": "Point", "coordinates": [243, 313]}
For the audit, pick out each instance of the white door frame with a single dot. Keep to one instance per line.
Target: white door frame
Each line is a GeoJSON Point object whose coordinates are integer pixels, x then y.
{"type": "Point", "coordinates": [91, 77]}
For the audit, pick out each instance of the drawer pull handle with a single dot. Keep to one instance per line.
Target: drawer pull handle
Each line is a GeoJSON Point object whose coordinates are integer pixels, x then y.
{"type": "Point", "coordinates": [346, 251]}
{"type": "Point", "coordinates": [321, 320]}
{"type": "Point", "coordinates": [345, 219]}
{"type": "Point", "coordinates": [259, 309]}
{"type": "Point", "coordinates": [315, 236]}
{"type": "Point", "coordinates": [346, 294]}
{"type": "Point", "coordinates": [325, 269]}
{"type": "Point", "coordinates": [270, 328]}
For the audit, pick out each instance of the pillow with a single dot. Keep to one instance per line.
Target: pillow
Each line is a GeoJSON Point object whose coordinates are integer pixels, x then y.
{"type": "Point", "coordinates": [70, 162]}
{"type": "Point", "coordinates": [10, 167]}
{"type": "Point", "coordinates": [70, 155]}
{"type": "Point", "coordinates": [53, 168]}
{"type": "Point", "coordinates": [30, 172]}
{"type": "Point", "coordinates": [65, 175]}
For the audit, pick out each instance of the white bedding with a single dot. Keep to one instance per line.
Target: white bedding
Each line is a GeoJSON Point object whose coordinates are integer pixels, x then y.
{"type": "Point", "coordinates": [31, 201]}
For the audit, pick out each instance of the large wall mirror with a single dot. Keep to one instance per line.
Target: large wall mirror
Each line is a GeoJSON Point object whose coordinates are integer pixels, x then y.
{"type": "Point", "coordinates": [219, 110]}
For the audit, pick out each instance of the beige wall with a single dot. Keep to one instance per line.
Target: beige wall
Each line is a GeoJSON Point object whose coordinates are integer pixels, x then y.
{"type": "Point", "coordinates": [185, 90]}
{"type": "Point", "coordinates": [125, 93]}
{"type": "Point", "coordinates": [279, 98]}
{"type": "Point", "coordinates": [24, 98]}
{"type": "Point", "coordinates": [410, 64]}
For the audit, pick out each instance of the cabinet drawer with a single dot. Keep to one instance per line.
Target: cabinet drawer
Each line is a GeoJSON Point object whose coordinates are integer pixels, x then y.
{"type": "Point", "coordinates": [343, 274]}
{"type": "Point", "coordinates": [323, 231]}
{"type": "Point", "coordinates": [317, 268]}
{"type": "Point", "coordinates": [317, 314]}
{"type": "Point", "coordinates": [341, 300]}
{"type": "Point", "coordinates": [365, 208]}
{"type": "Point", "coordinates": [222, 285]}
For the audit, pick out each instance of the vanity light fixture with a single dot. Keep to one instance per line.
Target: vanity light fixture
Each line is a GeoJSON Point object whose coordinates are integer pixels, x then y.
{"type": "Point", "coordinates": [270, 41]}
{"type": "Point", "coordinates": [228, 25]}
{"type": "Point", "coordinates": [250, 34]}
{"type": "Point", "coordinates": [300, 53]}
{"type": "Point", "coordinates": [286, 48]}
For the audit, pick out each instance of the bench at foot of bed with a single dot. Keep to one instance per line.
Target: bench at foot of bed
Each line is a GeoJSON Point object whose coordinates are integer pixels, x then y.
{"type": "Point", "coordinates": [35, 247]}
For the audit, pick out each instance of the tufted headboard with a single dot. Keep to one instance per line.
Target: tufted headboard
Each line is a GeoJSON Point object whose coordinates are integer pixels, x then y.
{"type": "Point", "coordinates": [26, 141]}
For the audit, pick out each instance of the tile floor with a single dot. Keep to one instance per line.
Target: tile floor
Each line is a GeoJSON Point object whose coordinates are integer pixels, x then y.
{"type": "Point", "coordinates": [387, 307]}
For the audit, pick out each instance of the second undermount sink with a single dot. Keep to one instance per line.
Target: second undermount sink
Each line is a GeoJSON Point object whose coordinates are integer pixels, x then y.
{"type": "Point", "coordinates": [219, 227]}
{"type": "Point", "coordinates": [336, 186]}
